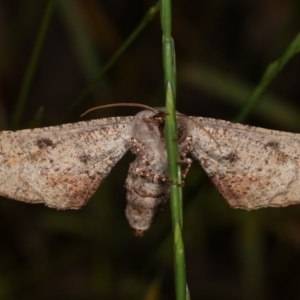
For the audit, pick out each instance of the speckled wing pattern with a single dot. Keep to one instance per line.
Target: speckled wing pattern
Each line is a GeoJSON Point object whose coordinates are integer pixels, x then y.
{"type": "Point", "coordinates": [61, 166]}
{"type": "Point", "coordinates": [251, 167]}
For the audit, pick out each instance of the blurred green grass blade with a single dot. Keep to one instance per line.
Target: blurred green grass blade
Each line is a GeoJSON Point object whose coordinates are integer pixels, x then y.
{"type": "Point", "coordinates": [88, 58]}
{"type": "Point", "coordinates": [17, 32]}
{"type": "Point", "coordinates": [37, 118]}
{"type": "Point", "coordinates": [29, 73]}
{"type": "Point", "coordinates": [233, 91]}
{"type": "Point", "coordinates": [188, 296]}
{"type": "Point", "coordinates": [80, 38]}
{"type": "Point", "coordinates": [271, 72]}
{"type": "Point", "coordinates": [252, 257]}
{"type": "Point", "coordinates": [133, 36]}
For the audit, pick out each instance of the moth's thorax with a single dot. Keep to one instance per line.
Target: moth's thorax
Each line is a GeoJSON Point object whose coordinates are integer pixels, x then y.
{"type": "Point", "coordinates": [146, 130]}
{"type": "Point", "coordinates": [150, 136]}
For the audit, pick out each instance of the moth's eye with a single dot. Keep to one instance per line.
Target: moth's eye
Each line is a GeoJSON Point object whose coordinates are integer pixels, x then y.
{"type": "Point", "coordinates": [159, 119]}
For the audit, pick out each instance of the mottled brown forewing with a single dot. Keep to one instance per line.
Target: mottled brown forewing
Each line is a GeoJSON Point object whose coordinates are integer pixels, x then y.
{"type": "Point", "coordinates": [61, 166]}
{"type": "Point", "coordinates": [251, 167]}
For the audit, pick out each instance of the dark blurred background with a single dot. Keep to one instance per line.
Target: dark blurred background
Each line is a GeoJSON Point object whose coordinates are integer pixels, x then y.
{"type": "Point", "coordinates": [222, 48]}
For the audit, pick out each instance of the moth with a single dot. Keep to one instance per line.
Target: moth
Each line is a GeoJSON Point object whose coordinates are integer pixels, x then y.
{"type": "Point", "coordinates": [62, 166]}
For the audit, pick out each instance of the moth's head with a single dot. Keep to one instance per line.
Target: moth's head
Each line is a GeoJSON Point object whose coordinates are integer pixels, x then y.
{"type": "Point", "coordinates": [149, 127]}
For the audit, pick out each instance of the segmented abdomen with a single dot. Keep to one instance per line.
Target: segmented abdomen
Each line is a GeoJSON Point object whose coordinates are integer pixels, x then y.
{"type": "Point", "coordinates": [144, 197]}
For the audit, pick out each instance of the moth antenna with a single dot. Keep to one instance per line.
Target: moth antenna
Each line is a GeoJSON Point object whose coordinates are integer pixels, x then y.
{"type": "Point", "coordinates": [120, 104]}
{"type": "Point", "coordinates": [201, 127]}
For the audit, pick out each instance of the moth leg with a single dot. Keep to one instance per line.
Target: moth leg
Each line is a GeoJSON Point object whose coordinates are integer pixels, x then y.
{"type": "Point", "coordinates": [140, 150]}
{"type": "Point", "coordinates": [188, 162]}
{"type": "Point", "coordinates": [185, 146]}
{"type": "Point", "coordinates": [185, 149]}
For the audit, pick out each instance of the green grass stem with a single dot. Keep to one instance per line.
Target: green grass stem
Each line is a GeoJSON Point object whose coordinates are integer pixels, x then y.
{"type": "Point", "coordinates": [172, 149]}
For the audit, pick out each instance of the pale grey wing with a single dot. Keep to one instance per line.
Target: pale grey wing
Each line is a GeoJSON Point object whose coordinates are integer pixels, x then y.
{"type": "Point", "coordinates": [61, 166]}
{"type": "Point", "coordinates": [251, 167]}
